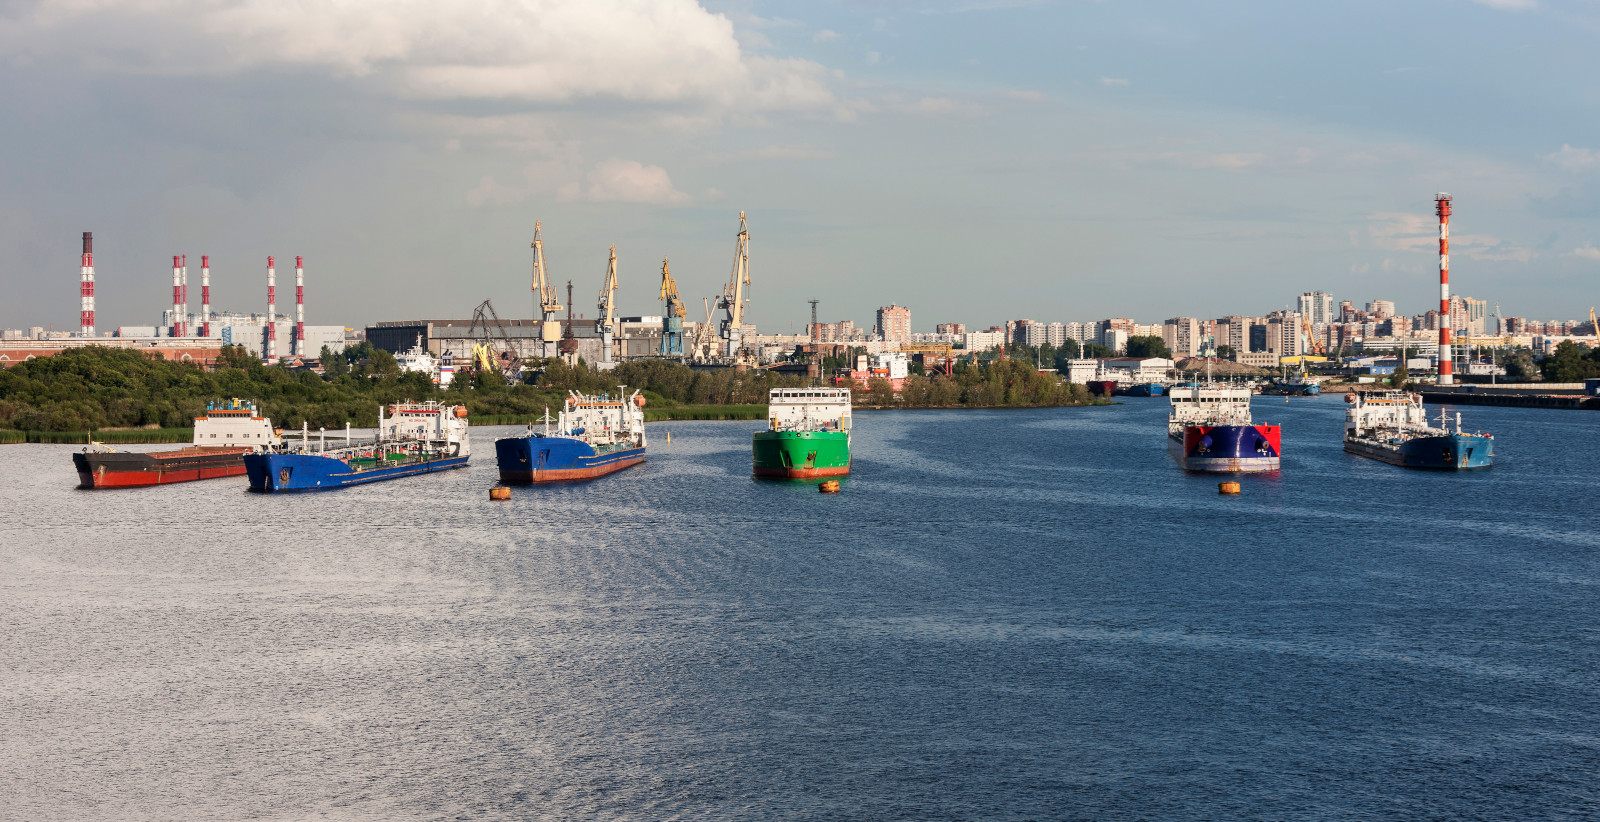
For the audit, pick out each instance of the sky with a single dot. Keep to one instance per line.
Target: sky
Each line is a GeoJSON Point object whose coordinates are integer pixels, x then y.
{"type": "Point", "coordinates": [976, 161]}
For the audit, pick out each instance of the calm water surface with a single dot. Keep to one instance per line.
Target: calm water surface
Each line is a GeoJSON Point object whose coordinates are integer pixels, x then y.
{"type": "Point", "coordinates": [1005, 615]}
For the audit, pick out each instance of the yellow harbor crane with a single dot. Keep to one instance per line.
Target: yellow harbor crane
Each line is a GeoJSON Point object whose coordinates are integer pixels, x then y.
{"type": "Point", "coordinates": [545, 296]}
{"type": "Point", "coordinates": [733, 299]}
{"type": "Point", "coordinates": [607, 323]}
{"type": "Point", "coordinates": [672, 322]}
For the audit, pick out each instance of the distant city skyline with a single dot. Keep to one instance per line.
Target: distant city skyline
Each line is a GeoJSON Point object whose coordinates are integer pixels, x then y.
{"type": "Point", "coordinates": [1082, 159]}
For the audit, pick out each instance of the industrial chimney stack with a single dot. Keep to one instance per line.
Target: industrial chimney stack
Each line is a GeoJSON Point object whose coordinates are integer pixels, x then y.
{"type": "Point", "coordinates": [272, 310]}
{"type": "Point", "coordinates": [205, 295]}
{"type": "Point", "coordinates": [299, 306]}
{"type": "Point", "coordinates": [186, 329]}
{"type": "Point", "coordinates": [177, 296]}
{"type": "Point", "coordinates": [1446, 364]}
{"type": "Point", "coordinates": [86, 287]}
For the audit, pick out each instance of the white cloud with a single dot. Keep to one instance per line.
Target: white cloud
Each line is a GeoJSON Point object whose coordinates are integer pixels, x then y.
{"type": "Point", "coordinates": [824, 36]}
{"type": "Point", "coordinates": [1573, 159]}
{"type": "Point", "coordinates": [657, 51]}
{"type": "Point", "coordinates": [1115, 81]}
{"type": "Point", "coordinates": [1587, 251]}
{"type": "Point", "coordinates": [626, 181]}
{"type": "Point", "coordinates": [1420, 233]}
{"type": "Point", "coordinates": [1509, 5]}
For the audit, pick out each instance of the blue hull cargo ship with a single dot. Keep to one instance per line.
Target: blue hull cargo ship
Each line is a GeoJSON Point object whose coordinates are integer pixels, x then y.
{"type": "Point", "coordinates": [594, 436]}
{"type": "Point", "coordinates": [1392, 427]}
{"type": "Point", "coordinates": [1210, 429]}
{"type": "Point", "coordinates": [416, 438]}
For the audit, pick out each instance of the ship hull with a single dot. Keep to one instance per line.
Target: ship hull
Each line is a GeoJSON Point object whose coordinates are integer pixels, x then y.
{"type": "Point", "coordinates": [273, 473]}
{"type": "Point", "coordinates": [118, 469]}
{"type": "Point", "coordinates": [1233, 449]}
{"type": "Point", "coordinates": [1147, 389]}
{"type": "Point", "coordinates": [529, 460]}
{"type": "Point", "coordinates": [800, 454]}
{"type": "Point", "coordinates": [1451, 452]}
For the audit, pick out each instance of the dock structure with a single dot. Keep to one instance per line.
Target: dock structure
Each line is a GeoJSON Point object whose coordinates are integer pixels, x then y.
{"type": "Point", "coordinates": [1523, 395]}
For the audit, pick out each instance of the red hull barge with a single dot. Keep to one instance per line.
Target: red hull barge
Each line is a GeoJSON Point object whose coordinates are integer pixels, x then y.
{"type": "Point", "coordinates": [120, 469]}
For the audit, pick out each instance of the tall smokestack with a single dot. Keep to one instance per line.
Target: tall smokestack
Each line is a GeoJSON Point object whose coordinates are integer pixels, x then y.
{"type": "Point", "coordinates": [186, 329]}
{"type": "Point", "coordinates": [1446, 363]}
{"type": "Point", "coordinates": [177, 297]}
{"type": "Point", "coordinates": [86, 287]}
{"type": "Point", "coordinates": [272, 310]}
{"type": "Point", "coordinates": [299, 306]}
{"type": "Point", "coordinates": [205, 295]}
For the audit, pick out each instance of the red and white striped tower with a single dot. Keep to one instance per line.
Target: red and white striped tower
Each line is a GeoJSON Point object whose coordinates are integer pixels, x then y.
{"type": "Point", "coordinates": [299, 306]}
{"type": "Point", "coordinates": [205, 295]}
{"type": "Point", "coordinates": [177, 297]}
{"type": "Point", "coordinates": [186, 328]}
{"type": "Point", "coordinates": [86, 287]}
{"type": "Point", "coordinates": [272, 309]}
{"type": "Point", "coordinates": [1446, 365]}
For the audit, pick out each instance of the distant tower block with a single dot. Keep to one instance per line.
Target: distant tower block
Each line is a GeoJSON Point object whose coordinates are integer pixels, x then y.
{"type": "Point", "coordinates": [86, 287]}
{"type": "Point", "coordinates": [299, 306]}
{"type": "Point", "coordinates": [177, 296]}
{"type": "Point", "coordinates": [272, 310]}
{"type": "Point", "coordinates": [205, 295]}
{"type": "Point", "coordinates": [1446, 364]}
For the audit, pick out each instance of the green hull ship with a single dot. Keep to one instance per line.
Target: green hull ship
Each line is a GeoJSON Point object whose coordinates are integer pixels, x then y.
{"type": "Point", "coordinates": [808, 434]}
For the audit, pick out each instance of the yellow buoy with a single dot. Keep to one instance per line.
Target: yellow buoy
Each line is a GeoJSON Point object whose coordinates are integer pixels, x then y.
{"type": "Point", "coordinates": [499, 492]}
{"type": "Point", "coordinates": [829, 487]}
{"type": "Point", "coordinates": [1228, 488]}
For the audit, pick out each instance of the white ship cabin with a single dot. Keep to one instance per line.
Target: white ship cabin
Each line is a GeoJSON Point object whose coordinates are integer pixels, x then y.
{"type": "Point", "coordinates": [1391, 410]}
{"type": "Point", "coordinates": [418, 359]}
{"type": "Point", "coordinates": [1135, 370]}
{"type": "Point", "coordinates": [1208, 405]}
{"type": "Point", "coordinates": [604, 420]}
{"type": "Point", "coordinates": [232, 424]}
{"type": "Point", "coordinates": [809, 409]}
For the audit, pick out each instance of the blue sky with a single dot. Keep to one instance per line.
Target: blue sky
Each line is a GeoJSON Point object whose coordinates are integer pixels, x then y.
{"type": "Point", "coordinates": [976, 161]}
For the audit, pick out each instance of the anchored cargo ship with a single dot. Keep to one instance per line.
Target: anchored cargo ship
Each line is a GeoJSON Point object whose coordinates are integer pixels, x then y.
{"type": "Point", "coordinates": [808, 434]}
{"type": "Point", "coordinates": [594, 436]}
{"type": "Point", "coordinates": [415, 438]}
{"type": "Point", "coordinates": [1142, 389]}
{"type": "Point", "coordinates": [1210, 429]}
{"type": "Point", "coordinates": [1392, 427]}
{"type": "Point", "coordinates": [222, 437]}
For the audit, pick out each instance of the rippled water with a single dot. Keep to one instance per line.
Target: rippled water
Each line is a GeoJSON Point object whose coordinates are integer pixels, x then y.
{"type": "Point", "coordinates": [1005, 615]}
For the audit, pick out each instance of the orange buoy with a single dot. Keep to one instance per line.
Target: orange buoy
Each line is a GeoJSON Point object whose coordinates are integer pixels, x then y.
{"type": "Point", "coordinates": [1229, 488]}
{"type": "Point", "coordinates": [500, 492]}
{"type": "Point", "coordinates": [829, 487]}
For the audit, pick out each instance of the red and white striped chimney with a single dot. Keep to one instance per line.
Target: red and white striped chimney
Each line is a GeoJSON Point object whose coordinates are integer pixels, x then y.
{"type": "Point", "coordinates": [86, 287]}
{"type": "Point", "coordinates": [177, 297]}
{"type": "Point", "coordinates": [186, 329]}
{"type": "Point", "coordinates": [299, 306]}
{"type": "Point", "coordinates": [205, 295]}
{"type": "Point", "coordinates": [272, 309]}
{"type": "Point", "coordinates": [1446, 364]}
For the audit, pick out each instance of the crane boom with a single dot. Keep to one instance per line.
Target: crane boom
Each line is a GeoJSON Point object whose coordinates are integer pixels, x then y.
{"type": "Point", "coordinates": [607, 323]}
{"type": "Point", "coordinates": [672, 322]}
{"type": "Point", "coordinates": [545, 295]}
{"type": "Point", "coordinates": [504, 352]}
{"type": "Point", "coordinates": [733, 299]}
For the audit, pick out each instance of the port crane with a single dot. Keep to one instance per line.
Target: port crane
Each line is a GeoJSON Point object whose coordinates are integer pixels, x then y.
{"type": "Point", "coordinates": [548, 301]}
{"type": "Point", "coordinates": [702, 335]}
{"type": "Point", "coordinates": [606, 324]}
{"type": "Point", "coordinates": [733, 299]}
{"type": "Point", "coordinates": [492, 352]}
{"type": "Point", "coordinates": [672, 323]}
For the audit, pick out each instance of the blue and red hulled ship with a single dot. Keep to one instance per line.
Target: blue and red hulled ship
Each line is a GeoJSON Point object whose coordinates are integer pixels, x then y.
{"type": "Point", "coordinates": [414, 438]}
{"type": "Point", "coordinates": [593, 436]}
{"type": "Point", "coordinates": [1210, 429]}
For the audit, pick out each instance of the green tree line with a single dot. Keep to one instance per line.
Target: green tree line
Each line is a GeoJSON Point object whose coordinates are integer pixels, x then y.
{"type": "Point", "coordinates": [95, 388]}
